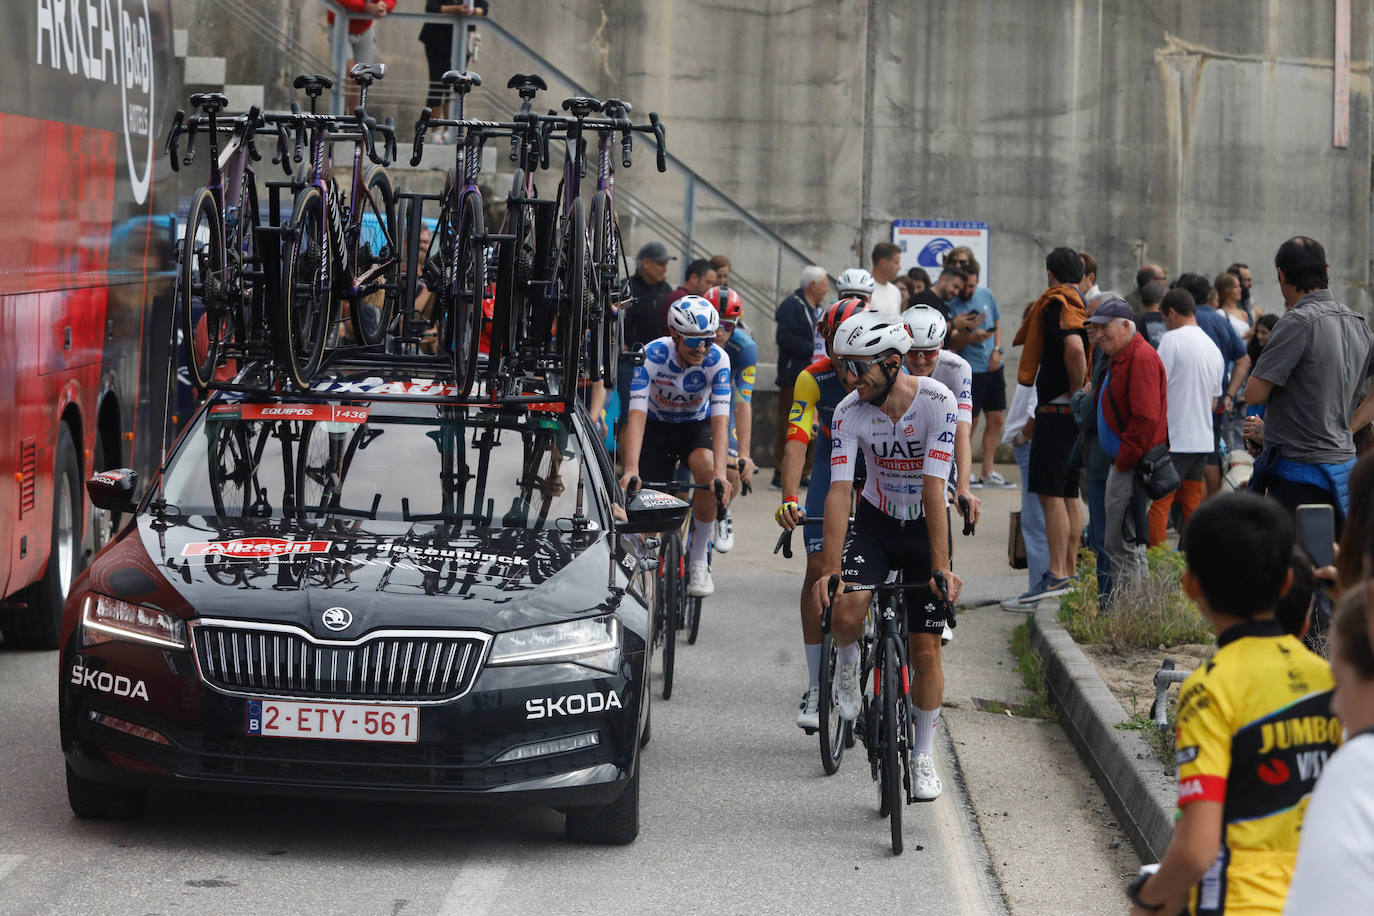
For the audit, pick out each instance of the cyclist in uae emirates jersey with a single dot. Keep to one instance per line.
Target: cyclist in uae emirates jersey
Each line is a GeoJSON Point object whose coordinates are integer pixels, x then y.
{"type": "Point", "coordinates": [928, 357]}
{"type": "Point", "coordinates": [815, 395]}
{"type": "Point", "coordinates": [744, 358]}
{"type": "Point", "coordinates": [899, 422]}
{"type": "Point", "coordinates": [680, 412]}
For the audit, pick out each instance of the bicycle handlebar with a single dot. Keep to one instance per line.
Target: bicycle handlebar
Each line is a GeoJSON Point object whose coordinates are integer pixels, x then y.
{"type": "Point", "coordinates": [169, 147]}
{"type": "Point", "coordinates": [660, 140]}
{"type": "Point", "coordinates": [966, 510]}
{"type": "Point", "coordinates": [785, 539]}
{"type": "Point", "coordinates": [716, 486]}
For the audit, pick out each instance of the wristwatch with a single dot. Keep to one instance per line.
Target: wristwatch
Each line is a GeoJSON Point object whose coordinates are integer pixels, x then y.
{"type": "Point", "coordinates": [1133, 893]}
{"type": "Point", "coordinates": [997, 349]}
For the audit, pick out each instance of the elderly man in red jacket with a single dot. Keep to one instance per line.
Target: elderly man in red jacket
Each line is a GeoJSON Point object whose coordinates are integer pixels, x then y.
{"type": "Point", "coordinates": [1132, 418]}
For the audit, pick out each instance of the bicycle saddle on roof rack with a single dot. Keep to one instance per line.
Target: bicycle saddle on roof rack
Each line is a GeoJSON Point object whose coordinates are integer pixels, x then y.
{"type": "Point", "coordinates": [617, 108]}
{"type": "Point", "coordinates": [314, 85]}
{"type": "Point", "coordinates": [461, 81]}
{"type": "Point", "coordinates": [528, 84]}
{"type": "Point", "coordinates": [209, 102]}
{"type": "Point", "coordinates": [366, 74]}
{"type": "Point", "coordinates": [580, 105]}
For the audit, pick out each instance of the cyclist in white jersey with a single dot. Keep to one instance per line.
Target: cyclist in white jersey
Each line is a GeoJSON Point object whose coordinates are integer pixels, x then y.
{"type": "Point", "coordinates": [680, 412]}
{"type": "Point", "coordinates": [928, 357]}
{"type": "Point", "coordinates": [900, 421]}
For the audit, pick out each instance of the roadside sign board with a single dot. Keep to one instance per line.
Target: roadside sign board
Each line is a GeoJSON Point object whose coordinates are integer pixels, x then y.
{"type": "Point", "coordinates": [924, 243]}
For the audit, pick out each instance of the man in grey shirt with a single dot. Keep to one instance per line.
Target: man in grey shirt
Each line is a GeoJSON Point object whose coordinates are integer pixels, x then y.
{"type": "Point", "coordinates": [1309, 376]}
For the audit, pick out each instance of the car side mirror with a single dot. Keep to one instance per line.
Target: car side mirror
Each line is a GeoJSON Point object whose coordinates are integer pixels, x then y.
{"type": "Point", "coordinates": [114, 490]}
{"type": "Point", "coordinates": [652, 512]}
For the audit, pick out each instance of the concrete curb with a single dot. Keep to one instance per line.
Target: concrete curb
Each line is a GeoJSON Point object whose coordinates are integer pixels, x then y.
{"type": "Point", "coordinates": [1136, 785]}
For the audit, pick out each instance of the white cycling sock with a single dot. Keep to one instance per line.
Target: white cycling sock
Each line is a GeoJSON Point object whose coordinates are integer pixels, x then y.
{"type": "Point", "coordinates": [847, 655]}
{"type": "Point", "coordinates": [701, 540]}
{"type": "Point", "coordinates": [813, 663]}
{"type": "Point", "coordinates": [925, 730]}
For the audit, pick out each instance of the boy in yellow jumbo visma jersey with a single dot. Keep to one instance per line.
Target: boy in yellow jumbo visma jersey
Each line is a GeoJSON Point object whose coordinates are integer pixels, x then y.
{"type": "Point", "coordinates": [1254, 723]}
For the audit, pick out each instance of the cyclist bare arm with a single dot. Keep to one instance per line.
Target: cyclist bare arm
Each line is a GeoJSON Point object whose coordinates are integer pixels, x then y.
{"type": "Point", "coordinates": [937, 526]}
{"type": "Point", "coordinates": [793, 458]}
{"type": "Point", "coordinates": [720, 449]}
{"type": "Point", "coordinates": [837, 502]}
{"type": "Point", "coordinates": [1191, 852]}
{"type": "Point", "coordinates": [1076, 361]}
{"type": "Point", "coordinates": [744, 432]}
{"type": "Point", "coordinates": [631, 441]}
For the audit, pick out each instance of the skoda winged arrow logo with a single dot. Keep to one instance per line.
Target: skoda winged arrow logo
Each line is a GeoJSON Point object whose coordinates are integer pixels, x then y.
{"type": "Point", "coordinates": [337, 618]}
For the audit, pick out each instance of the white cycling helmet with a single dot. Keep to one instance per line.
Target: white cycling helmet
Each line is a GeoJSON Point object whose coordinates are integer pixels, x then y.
{"type": "Point", "coordinates": [869, 334]}
{"type": "Point", "coordinates": [927, 327]}
{"type": "Point", "coordinates": [855, 282]}
{"type": "Point", "coordinates": [693, 316]}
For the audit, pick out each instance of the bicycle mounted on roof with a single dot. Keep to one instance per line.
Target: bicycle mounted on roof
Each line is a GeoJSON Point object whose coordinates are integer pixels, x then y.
{"type": "Point", "coordinates": [325, 289]}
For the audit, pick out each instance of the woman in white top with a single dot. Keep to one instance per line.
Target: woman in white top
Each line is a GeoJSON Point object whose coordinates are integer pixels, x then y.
{"type": "Point", "coordinates": [1335, 871]}
{"type": "Point", "coordinates": [1228, 303]}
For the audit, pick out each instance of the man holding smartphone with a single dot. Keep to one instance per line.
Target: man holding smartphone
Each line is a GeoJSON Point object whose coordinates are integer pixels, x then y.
{"type": "Point", "coordinates": [983, 353]}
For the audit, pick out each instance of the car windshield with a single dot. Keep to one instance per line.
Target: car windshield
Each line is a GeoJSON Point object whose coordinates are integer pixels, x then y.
{"type": "Point", "coordinates": [391, 463]}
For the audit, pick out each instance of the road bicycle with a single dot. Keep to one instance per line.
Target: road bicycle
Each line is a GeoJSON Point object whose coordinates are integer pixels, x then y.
{"type": "Point", "coordinates": [886, 723]}
{"type": "Point", "coordinates": [221, 278]}
{"type": "Point", "coordinates": [672, 605]}
{"type": "Point", "coordinates": [836, 734]}
{"type": "Point", "coordinates": [461, 241]}
{"type": "Point", "coordinates": [342, 249]}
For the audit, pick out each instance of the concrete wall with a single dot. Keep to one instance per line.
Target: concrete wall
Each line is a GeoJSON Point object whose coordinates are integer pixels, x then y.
{"type": "Point", "coordinates": [1192, 134]}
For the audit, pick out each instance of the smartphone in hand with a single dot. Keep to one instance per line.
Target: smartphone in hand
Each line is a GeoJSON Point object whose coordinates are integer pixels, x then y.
{"type": "Point", "coordinates": [1317, 533]}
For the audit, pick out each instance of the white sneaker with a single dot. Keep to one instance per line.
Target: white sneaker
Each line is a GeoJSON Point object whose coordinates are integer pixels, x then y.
{"type": "Point", "coordinates": [699, 582]}
{"type": "Point", "coordinates": [846, 695]}
{"type": "Point", "coordinates": [928, 785]}
{"type": "Point", "coordinates": [724, 537]}
{"type": "Point", "coordinates": [1017, 605]}
{"type": "Point", "coordinates": [975, 482]}
{"type": "Point", "coordinates": [947, 636]}
{"type": "Point", "coordinates": [997, 480]}
{"type": "Point", "coordinates": [809, 714]}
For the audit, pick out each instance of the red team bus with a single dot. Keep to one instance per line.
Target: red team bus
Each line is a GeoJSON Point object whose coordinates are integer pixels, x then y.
{"type": "Point", "coordinates": [88, 217]}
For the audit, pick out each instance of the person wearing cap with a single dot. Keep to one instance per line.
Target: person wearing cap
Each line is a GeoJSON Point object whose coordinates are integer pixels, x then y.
{"type": "Point", "coordinates": [1132, 418]}
{"type": "Point", "coordinates": [643, 321]}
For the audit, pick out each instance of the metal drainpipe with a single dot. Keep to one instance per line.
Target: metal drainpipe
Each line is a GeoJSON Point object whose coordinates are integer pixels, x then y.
{"type": "Point", "coordinates": [338, 49]}
{"type": "Point", "coordinates": [689, 219]}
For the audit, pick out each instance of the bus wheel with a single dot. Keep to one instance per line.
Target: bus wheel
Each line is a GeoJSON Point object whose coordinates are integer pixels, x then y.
{"type": "Point", "coordinates": [39, 625]}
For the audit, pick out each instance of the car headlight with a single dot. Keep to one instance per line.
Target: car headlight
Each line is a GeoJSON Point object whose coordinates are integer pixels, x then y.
{"type": "Point", "coordinates": [104, 618]}
{"type": "Point", "coordinates": [576, 640]}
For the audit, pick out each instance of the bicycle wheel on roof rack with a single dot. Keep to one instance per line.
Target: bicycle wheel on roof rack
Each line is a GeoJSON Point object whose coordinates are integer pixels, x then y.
{"type": "Point", "coordinates": [301, 321]}
{"type": "Point", "coordinates": [606, 269]}
{"type": "Point", "coordinates": [574, 267]}
{"type": "Point", "coordinates": [203, 297]}
{"type": "Point", "coordinates": [463, 288]}
{"type": "Point", "coordinates": [376, 255]}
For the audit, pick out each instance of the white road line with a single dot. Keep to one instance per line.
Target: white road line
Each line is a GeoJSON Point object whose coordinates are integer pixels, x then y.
{"type": "Point", "coordinates": [478, 883]}
{"type": "Point", "coordinates": [9, 864]}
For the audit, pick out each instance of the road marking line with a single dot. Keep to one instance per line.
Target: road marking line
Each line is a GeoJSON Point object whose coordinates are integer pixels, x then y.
{"type": "Point", "coordinates": [478, 883]}
{"type": "Point", "coordinates": [9, 864]}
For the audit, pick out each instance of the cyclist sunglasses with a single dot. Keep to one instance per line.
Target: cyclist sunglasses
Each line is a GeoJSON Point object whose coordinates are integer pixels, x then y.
{"type": "Point", "coordinates": [925, 354]}
{"type": "Point", "coordinates": [728, 327]}
{"type": "Point", "coordinates": [858, 367]}
{"type": "Point", "coordinates": [697, 343]}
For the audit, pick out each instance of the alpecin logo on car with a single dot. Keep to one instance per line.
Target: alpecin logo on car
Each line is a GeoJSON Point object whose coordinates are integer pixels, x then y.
{"type": "Point", "coordinates": [337, 618]}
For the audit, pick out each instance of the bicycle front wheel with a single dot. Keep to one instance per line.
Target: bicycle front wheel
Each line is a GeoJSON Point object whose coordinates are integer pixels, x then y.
{"type": "Point", "coordinates": [202, 290]}
{"type": "Point", "coordinates": [464, 286]}
{"type": "Point", "coordinates": [376, 257]}
{"type": "Point", "coordinates": [833, 728]}
{"type": "Point", "coordinates": [893, 738]}
{"type": "Point", "coordinates": [671, 569]}
{"type": "Point", "coordinates": [301, 321]}
{"type": "Point", "coordinates": [574, 270]}
{"type": "Point", "coordinates": [605, 275]}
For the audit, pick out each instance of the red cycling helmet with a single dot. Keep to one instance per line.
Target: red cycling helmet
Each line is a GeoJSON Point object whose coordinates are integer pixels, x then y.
{"type": "Point", "coordinates": [727, 302]}
{"type": "Point", "coordinates": [836, 315]}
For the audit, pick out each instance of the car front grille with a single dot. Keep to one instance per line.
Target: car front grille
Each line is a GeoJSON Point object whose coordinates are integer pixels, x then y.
{"type": "Point", "coordinates": [283, 661]}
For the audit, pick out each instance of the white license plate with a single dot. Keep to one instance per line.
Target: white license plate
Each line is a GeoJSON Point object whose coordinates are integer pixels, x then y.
{"type": "Point", "coordinates": [333, 721]}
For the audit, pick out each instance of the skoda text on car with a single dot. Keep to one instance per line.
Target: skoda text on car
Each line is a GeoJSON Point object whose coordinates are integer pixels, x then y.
{"type": "Point", "coordinates": [379, 591]}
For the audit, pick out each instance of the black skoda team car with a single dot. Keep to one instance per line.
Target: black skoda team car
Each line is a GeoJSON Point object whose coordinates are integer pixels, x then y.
{"type": "Point", "coordinates": [379, 590]}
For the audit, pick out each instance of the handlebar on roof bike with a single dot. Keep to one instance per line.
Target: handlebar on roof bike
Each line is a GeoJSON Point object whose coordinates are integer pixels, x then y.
{"type": "Point", "coordinates": [635, 485]}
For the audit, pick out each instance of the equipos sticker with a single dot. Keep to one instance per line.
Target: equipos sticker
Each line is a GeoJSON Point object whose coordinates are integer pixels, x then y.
{"type": "Point", "coordinates": [323, 413]}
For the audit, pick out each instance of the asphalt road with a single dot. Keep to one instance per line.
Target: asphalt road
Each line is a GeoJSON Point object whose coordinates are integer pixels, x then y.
{"type": "Point", "coordinates": [737, 813]}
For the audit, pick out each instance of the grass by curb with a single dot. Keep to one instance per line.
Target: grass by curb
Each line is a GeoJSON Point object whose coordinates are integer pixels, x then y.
{"type": "Point", "coordinates": [1032, 671]}
{"type": "Point", "coordinates": [1154, 614]}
